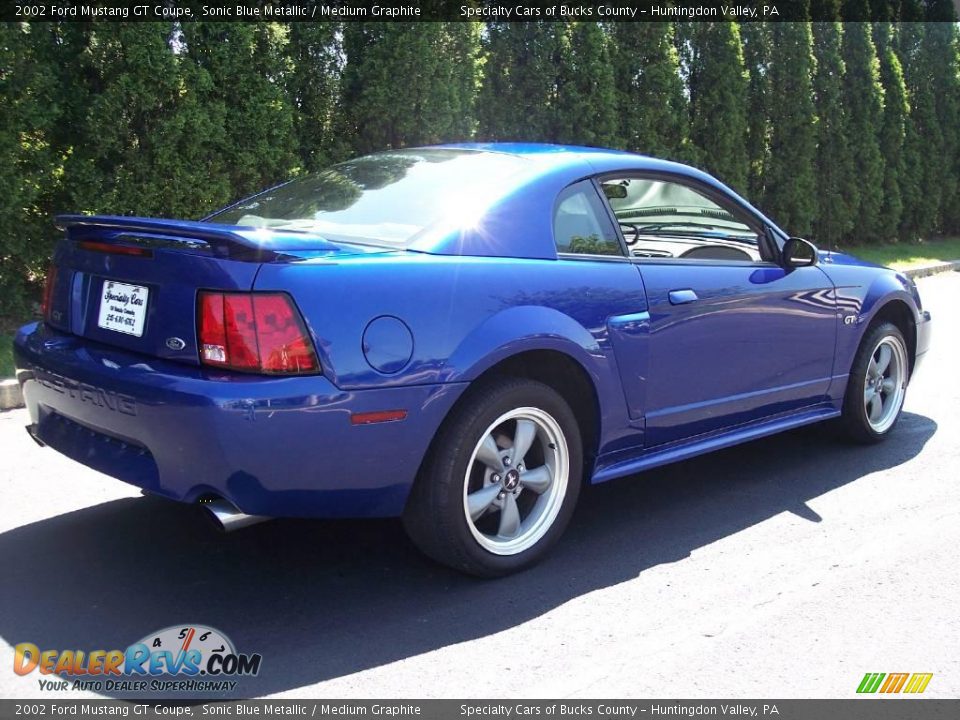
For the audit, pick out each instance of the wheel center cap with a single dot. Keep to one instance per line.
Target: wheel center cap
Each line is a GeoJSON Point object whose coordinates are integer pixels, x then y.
{"type": "Point", "coordinates": [511, 480]}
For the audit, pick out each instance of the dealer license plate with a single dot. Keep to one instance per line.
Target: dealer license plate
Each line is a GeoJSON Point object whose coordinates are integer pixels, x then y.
{"type": "Point", "coordinates": [123, 308]}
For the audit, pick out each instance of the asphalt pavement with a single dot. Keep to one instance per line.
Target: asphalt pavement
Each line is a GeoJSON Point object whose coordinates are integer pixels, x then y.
{"type": "Point", "coordinates": [787, 567]}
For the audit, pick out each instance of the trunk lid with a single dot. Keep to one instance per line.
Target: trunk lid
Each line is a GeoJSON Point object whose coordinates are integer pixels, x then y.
{"type": "Point", "coordinates": [133, 282]}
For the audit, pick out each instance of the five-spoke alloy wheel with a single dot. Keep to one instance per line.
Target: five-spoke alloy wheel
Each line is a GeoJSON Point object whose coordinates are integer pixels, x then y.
{"type": "Point", "coordinates": [516, 481]}
{"type": "Point", "coordinates": [501, 480]}
{"type": "Point", "coordinates": [885, 383]}
{"type": "Point", "coordinates": [877, 385]}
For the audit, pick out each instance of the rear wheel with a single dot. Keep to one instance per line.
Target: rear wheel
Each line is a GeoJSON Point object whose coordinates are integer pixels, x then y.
{"type": "Point", "coordinates": [877, 385]}
{"type": "Point", "coordinates": [501, 482]}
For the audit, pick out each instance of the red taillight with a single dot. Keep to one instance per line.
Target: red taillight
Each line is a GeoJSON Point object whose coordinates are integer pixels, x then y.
{"type": "Point", "coordinates": [256, 332]}
{"type": "Point", "coordinates": [284, 346]}
{"type": "Point", "coordinates": [48, 285]}
{"type": "Point", "coordinates": [213, 339]}
{"type": "Point", "coordinates": [241, 328]}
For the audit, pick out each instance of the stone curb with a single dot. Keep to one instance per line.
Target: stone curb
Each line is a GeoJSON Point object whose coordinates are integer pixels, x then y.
{"type": "Point", "coordinates": [10, 396]}
{"type": "Point", "coordinates": [933, 269]}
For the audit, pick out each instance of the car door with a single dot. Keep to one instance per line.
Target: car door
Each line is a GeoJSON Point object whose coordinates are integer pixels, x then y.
{"type": "Point", "coordinates": [733, 336]}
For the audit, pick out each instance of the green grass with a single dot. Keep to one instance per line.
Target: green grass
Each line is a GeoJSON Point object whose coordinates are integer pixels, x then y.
{"type": "Point", "coordinates": [903, 256]}
{"type": "Point", "coordinates": [8, 328]}
{"type": "Point", "coordinates": [6, 356]}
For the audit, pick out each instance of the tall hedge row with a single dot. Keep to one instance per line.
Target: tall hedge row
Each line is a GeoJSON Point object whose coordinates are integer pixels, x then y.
{"type": "Point", "coordinates": [848, 132]}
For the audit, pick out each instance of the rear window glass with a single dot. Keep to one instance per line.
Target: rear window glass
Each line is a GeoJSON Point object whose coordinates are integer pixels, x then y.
{"type": "Point", "coordinates": [384, 199]}
{"type": "Point", "coordinates": [581, 225]}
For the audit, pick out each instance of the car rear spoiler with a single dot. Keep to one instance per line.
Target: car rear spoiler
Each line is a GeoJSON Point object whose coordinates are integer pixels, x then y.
{"type": "Point", "coordinates": [233, 241]}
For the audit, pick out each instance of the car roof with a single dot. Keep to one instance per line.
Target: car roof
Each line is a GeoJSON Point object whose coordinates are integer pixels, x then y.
{"type": "Point", "coordinates": [534, 150]}
{"type": "Point", "coordinates": [552, 167]}
{"type": "Point", "coordinates": [554, 155]}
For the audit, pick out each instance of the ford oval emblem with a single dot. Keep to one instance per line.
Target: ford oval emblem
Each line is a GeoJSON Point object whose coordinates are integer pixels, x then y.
{"type": "Point", "coordinates": [175, 343]}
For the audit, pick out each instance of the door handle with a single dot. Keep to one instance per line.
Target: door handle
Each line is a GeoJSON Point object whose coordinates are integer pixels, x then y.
{"type": "Point", "coordinates": [681, 297]}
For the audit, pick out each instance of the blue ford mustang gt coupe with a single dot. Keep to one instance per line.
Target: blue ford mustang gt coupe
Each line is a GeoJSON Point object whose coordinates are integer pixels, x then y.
{"type": "Point", "coordinates": [459, 335]}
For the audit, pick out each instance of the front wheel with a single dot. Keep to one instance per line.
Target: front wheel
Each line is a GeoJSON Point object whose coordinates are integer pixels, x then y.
{"type": "Point", "coordinates": [501, 482]}
{"type": "Point", "coordinates": [877, 385]}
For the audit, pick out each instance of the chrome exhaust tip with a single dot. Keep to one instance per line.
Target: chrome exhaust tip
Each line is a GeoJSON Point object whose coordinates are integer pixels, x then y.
{"type": "Point", "coordinates": [227, 518]}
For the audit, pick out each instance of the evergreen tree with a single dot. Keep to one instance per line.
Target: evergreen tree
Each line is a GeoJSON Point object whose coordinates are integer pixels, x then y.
{"type": "Point", "coordinates": [827, 10]}
{"type": "Point", "coordinates": [837, 191]}
{"type": "Point", "coordinates": [312, 86]}
{"type": "Point", "coordinates": [132, 144]}
{"type": "Point", "coordinates": [921, 183]}
{"type": "Point", "coordinates": [29, 162]}
{"type": "Point", "coordinates": [584, 107]}
{"type": "Point", "coordinates": [756, 55]}
{"type": "Point", "coordinates": [892, 132]}
{"type": "Point", "coordinates": [863, 97]}
{"type": "Point", "coordinates": [909, 11]}
{"type": "Point", "coordinates": [718, 100]}
{"type": "Point", "coordinates": [549, 82]}
{"type": "Point", "coordinates": [883, 11]}
{"type": "Point", "coordinates": [651, 105]}
{"type": "Point", "coordinates": [234, 75]}
{"type": "Point", "coordinates": [519, 81]}
{"type": "Point", "coordinates": [790, 195]}
{"type": "Point", "coordinates": [463, 41]}
{"type": "Point", "coordinates": [403, 84]}
{"type": "Point", "coordinates": [942, 47]}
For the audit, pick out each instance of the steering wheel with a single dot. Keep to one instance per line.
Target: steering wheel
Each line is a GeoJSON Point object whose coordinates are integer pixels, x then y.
{"type": "Point", "coordinates": [631, 232]}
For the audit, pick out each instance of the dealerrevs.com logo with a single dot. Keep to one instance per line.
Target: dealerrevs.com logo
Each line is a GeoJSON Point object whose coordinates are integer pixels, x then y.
{"type": "Point", "coordinates": [180, 658]}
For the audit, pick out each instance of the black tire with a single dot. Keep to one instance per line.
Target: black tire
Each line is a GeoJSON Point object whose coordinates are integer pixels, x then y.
{"type": "Point", "coordinates": [435, 516]}
{"type": "Point", "coordinates": [854, 421]}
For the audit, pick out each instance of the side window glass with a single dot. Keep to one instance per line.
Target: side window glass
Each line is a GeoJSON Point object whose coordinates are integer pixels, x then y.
{"type": "Point", "coordinates": [581, 224]}
{"type": "Point", "coordinates": [663, 219]}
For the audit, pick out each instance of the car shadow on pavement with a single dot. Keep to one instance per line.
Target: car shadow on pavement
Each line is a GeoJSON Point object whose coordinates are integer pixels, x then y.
{"type": "Point", "coordinates": [323, 599]}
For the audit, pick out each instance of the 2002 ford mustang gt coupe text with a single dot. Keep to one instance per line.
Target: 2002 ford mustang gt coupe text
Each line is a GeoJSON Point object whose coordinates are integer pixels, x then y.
{"type": "Point", "coordinates": [459, 335]}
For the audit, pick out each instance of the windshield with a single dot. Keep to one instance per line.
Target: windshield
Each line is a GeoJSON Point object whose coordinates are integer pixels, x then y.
{"type": "Point", "coordinates": [384, 199]}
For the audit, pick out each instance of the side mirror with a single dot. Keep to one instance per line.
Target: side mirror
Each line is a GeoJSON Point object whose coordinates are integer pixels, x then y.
{"type": "Point", "coordinates": [798, 252]}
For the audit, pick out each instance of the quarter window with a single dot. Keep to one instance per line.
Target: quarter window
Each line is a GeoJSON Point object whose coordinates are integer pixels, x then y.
{"type": "Point", "coordinates": [581, 225]}
{"type": "Point", "coordinates": [663, 219]}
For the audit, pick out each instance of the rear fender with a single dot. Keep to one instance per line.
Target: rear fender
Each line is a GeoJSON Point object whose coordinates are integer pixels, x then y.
{"type": "Point", "coordinates": [527, 328]}
{"type": "Point", "coordinates": [522, 328]}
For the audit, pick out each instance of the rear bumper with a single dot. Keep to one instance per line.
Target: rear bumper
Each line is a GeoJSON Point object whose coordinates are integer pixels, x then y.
{"type": "Point", "coordinates": [924, 333]}
{"type": "Point", "coordinates": [271, 446]}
